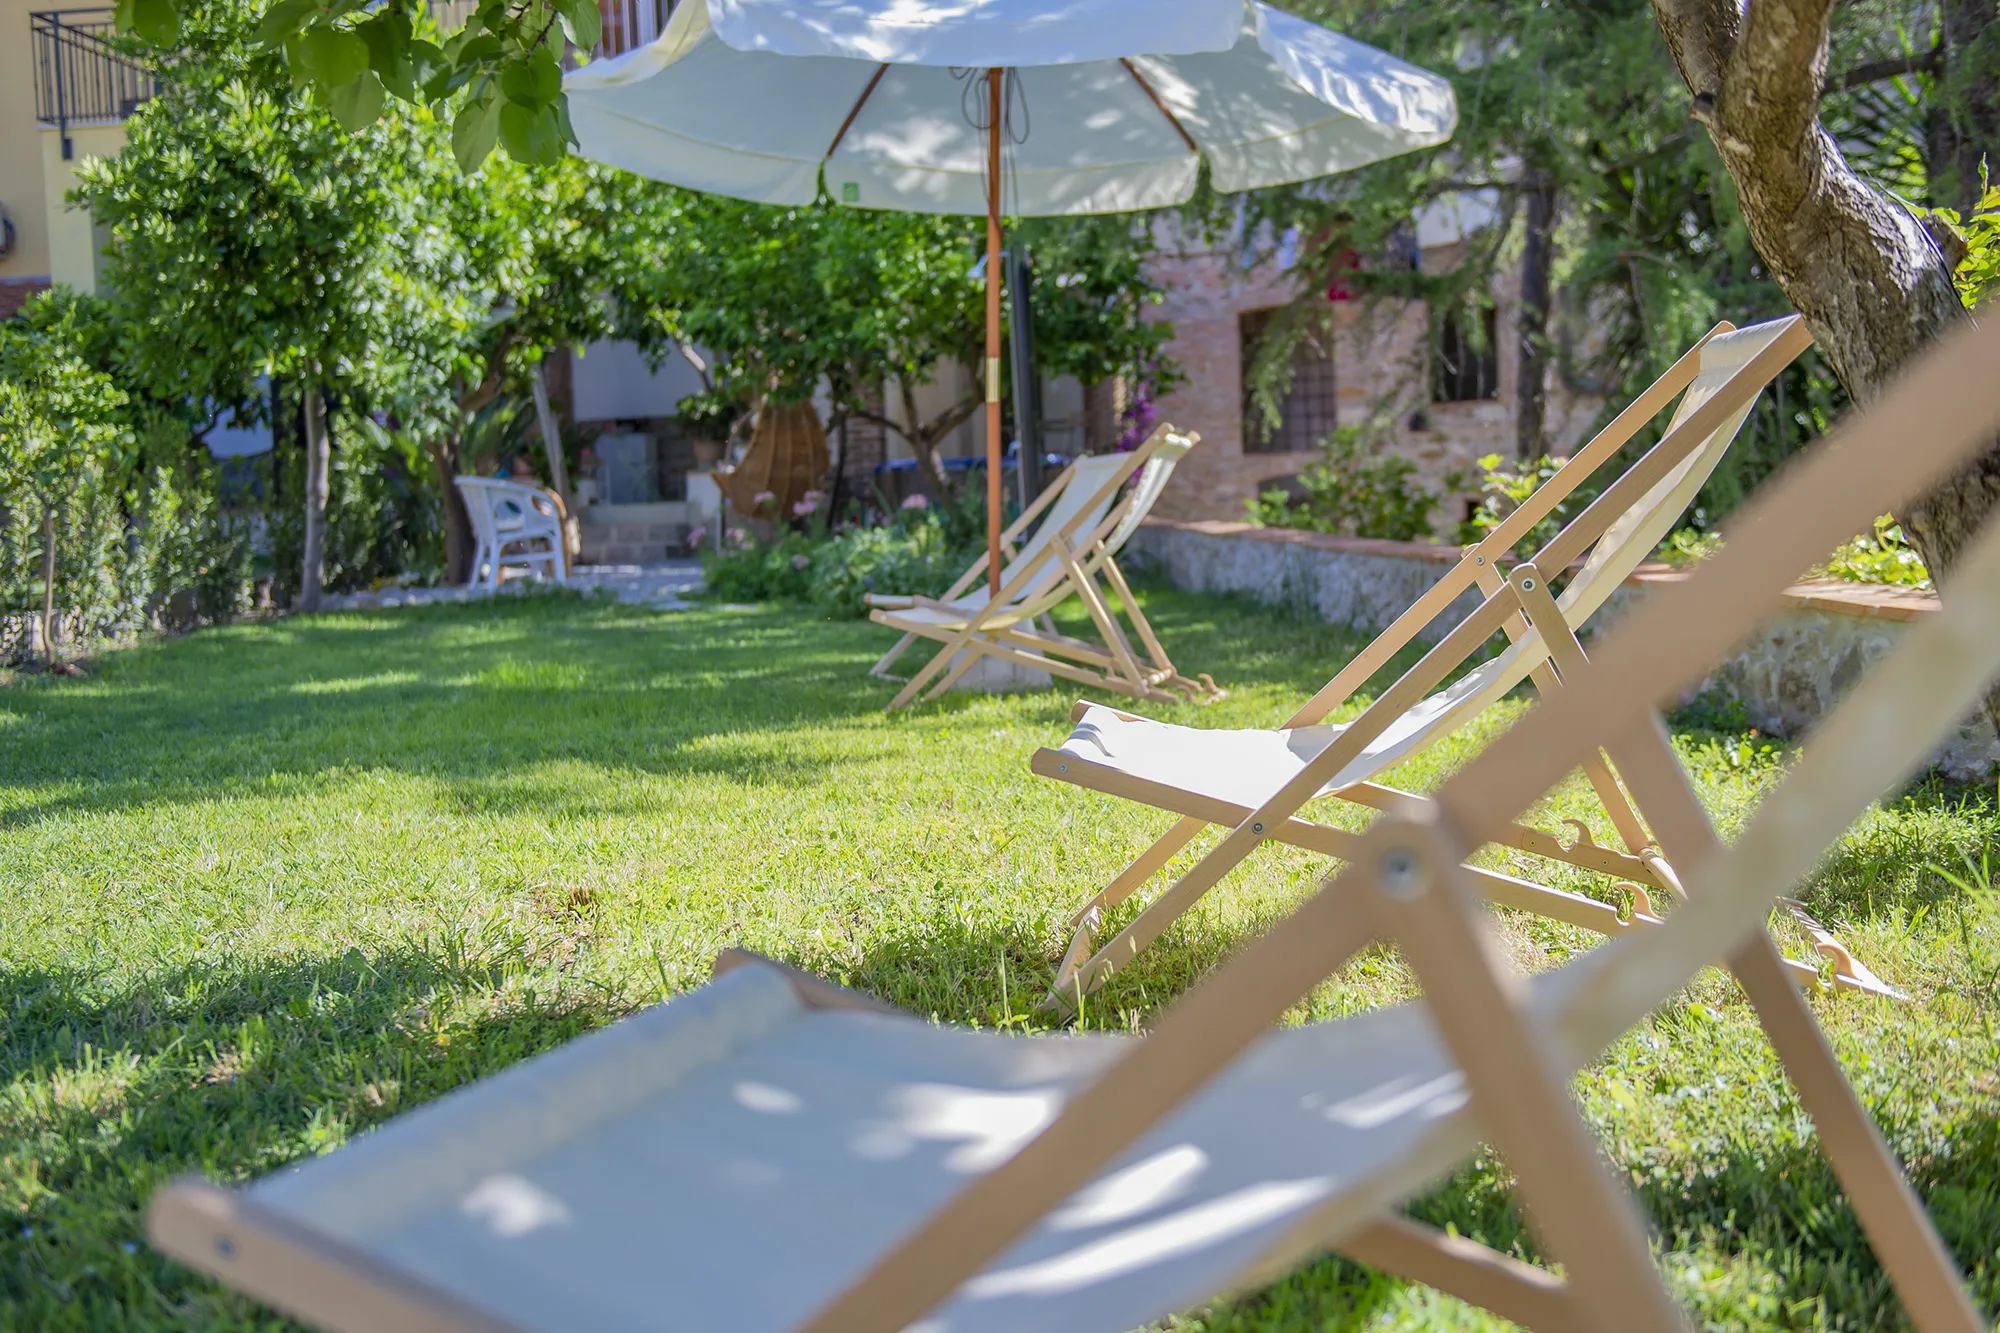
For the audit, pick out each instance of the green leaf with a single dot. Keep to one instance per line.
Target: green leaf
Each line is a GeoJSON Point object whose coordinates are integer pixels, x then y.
{"type": "Point", "coordinates": [561, 107]}
{"type": "Point", "coordinates": [546, 73]}
{"type": "Point", "coordinates": [519, 86]}
{"type": "Point", "coordinates": [582, 22]}
{"type": "Point", "coordinates": [515, 121]}
{"type": "Point", "coordinates": [474, 132]}
{"type": "Point", "coordinates": [356, 103]}
{"type": "Point", "coordinates": [530, 136]}
{"type": "Point", "coordinates": [491, 16]}
{"type": "Point", "coordinates": [474, 52]}
{"type": "Point", "coordinates": [430, 70]}
{"type": "Point", "coordinates": [282, 19]}
{"type": "Point", "coordinates": [158, 21]}
{"type": "Point", "coordinates": [387, 36]}
{"type": "Point", "coordinates": [295, 61]}
{"type": "Point", "coordinates": [333, 57]}
{"type": "Point", "coordinates": [121, 15]}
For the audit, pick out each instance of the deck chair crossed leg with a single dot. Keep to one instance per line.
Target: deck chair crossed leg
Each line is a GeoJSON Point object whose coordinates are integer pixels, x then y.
{"type": "Point", "coordinates": [1617, 528]}
{"type": "Point", "coordinates": [1076, 545]}
{"type": "Point", "coordinates": [1407, 883]}
{"type": "Point", "coordinates": [771, 1152]}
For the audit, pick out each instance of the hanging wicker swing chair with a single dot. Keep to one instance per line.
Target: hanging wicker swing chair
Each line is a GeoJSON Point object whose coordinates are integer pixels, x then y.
{"type": "Point", "coordinates": [787, 457]}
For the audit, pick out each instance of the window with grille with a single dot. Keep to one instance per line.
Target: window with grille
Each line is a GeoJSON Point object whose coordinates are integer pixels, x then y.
{"type": "Point", "coordinates": [1309, 405]}
{"type": "Point", "coordinates": [1467, 365]}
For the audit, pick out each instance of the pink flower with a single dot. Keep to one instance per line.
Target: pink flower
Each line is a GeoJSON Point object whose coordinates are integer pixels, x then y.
{"type": "Point", "coordinates": [762, 498]}
{"type": "Point", "coordinates": [738, 537]}
{"type": "Point", "coordinates": [807, 505]}
{"type": "Point", "coordinates": [696, 536]}
{"type": "Point", "coordinates": [917, 501]}
{"type": "Point", "coordinates": [801, 561]}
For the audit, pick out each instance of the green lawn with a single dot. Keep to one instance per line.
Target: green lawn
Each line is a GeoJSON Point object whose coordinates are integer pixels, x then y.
{"type": "Point", "coordinates": [268, 885]}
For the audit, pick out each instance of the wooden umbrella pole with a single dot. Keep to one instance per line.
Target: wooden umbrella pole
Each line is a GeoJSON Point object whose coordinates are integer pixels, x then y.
{"type": "Point", "coordinates": [993, 107]}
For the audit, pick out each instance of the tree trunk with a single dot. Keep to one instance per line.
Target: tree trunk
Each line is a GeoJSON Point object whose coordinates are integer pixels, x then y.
{"type": "Point", "coordinates": [457, 523]}
{"type": "Point", "coordinates": [936, 484]}
{"type": "Point", "coordinates": [545, 418]}
{"type": "Point", "coordinates": [1965, 115]}
{"type": "Point", "coordinates": [1100, 415]}
{"type": "Point", "coordinates": [312, 558]}
{"type": "Point", "coordinates": [49, 584]}
{"type": "Point", "coordinates": [1531, 383]}
{"type": "Point", "coordinates": [1873, 286]}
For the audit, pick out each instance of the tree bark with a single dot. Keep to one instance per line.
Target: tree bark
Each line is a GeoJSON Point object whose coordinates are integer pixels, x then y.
{"type": "Point", "coordinates": [457, 523]}
{"type": "Point", "coordinates": [1873, 286]}
{"type": "Point", "coordinates": [1531, 383]}
{"type": "Point", "coordinates": [312, 557]}
{"type": "Point", "coordinates": [49, 584]}
{"type": "Point", "coordinates": [1965, 117]}
{"type": "Point", "coordinates": [1100, 415]}
{"type": "Point", "coordinates": [545, 418]}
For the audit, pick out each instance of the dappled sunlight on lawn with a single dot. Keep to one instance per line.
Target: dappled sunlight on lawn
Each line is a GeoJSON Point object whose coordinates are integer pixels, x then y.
{"type": "Point", "coordinates": [270, 884]}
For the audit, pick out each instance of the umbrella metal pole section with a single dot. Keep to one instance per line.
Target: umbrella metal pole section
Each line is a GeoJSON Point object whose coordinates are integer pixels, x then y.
{"type": "Point", "coordinates": [993, 525]}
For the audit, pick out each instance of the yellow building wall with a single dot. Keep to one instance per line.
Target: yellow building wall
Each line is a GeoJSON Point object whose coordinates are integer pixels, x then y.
{"type": "Point", "coordinates": [72, 240]}
{"type": "Point", "coordinates": [21, 171]}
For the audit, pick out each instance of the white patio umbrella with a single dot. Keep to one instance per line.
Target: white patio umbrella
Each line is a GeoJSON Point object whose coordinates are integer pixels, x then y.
{"type": "Point", "coordinates": [1102, 106]}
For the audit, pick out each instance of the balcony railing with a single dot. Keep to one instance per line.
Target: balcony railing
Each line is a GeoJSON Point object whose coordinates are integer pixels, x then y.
{"type": "Point", "coordinates": [83, 78]}
{"type": "Point", "coordinates": [80, 77]}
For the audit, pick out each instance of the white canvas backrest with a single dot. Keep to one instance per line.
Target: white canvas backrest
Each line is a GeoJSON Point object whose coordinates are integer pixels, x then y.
{"type": "Point", "coordinates": [1146, 488]}
{"type": "Point", "coordinates": [1087, 478]}
{"type": "Point", "coordinates": [1636, 532]}
{"type": "Point", "coordinates": [1626, 542]}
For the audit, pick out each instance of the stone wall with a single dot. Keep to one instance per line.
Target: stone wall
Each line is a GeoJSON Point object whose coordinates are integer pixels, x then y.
{"type": "Point", "coordinates": [1342, 580]}
{"type": "Point", "coordinates": [632, 534]}
{"type": "Point", "coordinates": [1787, 676]}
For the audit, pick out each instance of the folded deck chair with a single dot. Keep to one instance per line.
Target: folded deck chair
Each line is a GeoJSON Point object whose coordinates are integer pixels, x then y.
{"type": "Point", "coordinates": [1083, 525]}
{"type": "Point", "coordinates": [1255, 782]}
{"type": "Point", "coordinates": [770, 1152]}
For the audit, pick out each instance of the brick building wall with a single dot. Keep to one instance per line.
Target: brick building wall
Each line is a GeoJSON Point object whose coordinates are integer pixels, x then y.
{"type": "Point", "coordinates": [1382, 371]}
{"type": "Point", "coordinates": [17, 292]}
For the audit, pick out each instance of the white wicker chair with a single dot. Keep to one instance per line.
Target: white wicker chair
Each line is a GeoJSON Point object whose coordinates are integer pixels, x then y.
{"type": "Point", "coordinates": [513, 524]}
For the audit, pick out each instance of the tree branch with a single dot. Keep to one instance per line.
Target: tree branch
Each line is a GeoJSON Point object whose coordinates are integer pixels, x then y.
{"type": "Point", "coordinates": [1700, 35]}
{"type": "Point", "coordinates": [1891, 67]}
{"type": "Point", "coordinates": [1766, 114]}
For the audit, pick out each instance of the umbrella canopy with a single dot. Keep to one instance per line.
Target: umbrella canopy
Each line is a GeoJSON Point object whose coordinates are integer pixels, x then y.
{"type": "Point", "coordinates": [1113, 104]}
{"type": "Point", "coordinates": [1106, 106]}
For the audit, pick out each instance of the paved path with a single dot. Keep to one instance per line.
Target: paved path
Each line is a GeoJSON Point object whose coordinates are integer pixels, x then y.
{"type": "Point", "coordinates": [662, 587]}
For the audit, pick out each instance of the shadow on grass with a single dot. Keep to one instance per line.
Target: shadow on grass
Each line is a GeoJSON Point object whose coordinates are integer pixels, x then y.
{"type": "Point", "coordinates": [478, 697]}
{"type": "Point", "coordinates": [473, 696]}
{"type": "Point", "coordinates": [228, 1071]}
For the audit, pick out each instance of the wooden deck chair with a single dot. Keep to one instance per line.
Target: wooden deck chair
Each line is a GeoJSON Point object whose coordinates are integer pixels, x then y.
{"type": "Point", "coordinates": [770, 1152]}
{"type": "Point", "coordinates": [1083, 525]}
{"type": "Point", "coordinates": [1255, 782]}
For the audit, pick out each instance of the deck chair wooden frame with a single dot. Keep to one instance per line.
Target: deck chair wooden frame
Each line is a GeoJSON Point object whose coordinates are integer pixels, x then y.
{"type": "Point", "coordinates": [1006, 627]}
{"type": "Point", "coordinates": [1641, 871]}
{"type": "Point", "coordinates": [1514, 1043]}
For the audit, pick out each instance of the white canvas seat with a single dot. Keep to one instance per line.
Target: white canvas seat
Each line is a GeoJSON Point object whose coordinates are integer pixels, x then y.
{"type": "Point", "coordinates": [1083, 524]}
{"type": "Point", "coordinates": [658, 1157]}
{"type": "Point", "coordinates": [1255, 781]}
{"type": "Point", "coordinates": [770, 1152]}
{"type": "Point", "coordinates": [513, 525]}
